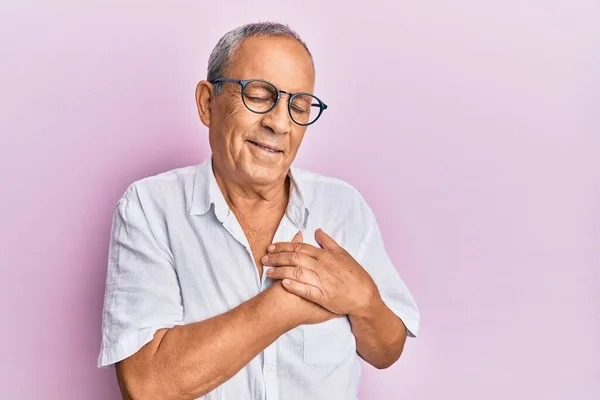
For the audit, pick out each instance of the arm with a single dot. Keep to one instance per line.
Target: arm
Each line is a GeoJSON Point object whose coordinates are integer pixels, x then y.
{"type": "Point", "coordinates": [188, 361]}
{"type": "Point", "coordinates": [391, 313]}
{"type": "Point", "coordinates": [157, 356]}
{"type": "Point", "coordinates": [380, 334]}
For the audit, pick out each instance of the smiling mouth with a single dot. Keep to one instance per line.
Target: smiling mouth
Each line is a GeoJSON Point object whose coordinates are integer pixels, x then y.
{"type": "Point", "coordinates": [265, 148]}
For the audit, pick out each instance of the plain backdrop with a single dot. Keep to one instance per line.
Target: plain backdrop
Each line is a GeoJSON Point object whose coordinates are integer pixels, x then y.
{"type": "Point", "coordinates": [471, 127]}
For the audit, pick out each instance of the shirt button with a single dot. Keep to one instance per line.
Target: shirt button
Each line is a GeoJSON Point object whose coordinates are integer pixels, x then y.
{"type": "Point", "coordinates": [269, 368]}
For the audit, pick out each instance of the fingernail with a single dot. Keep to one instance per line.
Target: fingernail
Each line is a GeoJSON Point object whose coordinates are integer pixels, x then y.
{"type": "Point", "coordinates": [286, 281]}
{"type": "Point", "coordinates": [271, 247]}
{"type": "Point", "coordinates": [265, 258]}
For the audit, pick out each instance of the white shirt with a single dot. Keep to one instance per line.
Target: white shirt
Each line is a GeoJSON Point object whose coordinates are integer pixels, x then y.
{"type": "Point", "coordinates": [178, 255]}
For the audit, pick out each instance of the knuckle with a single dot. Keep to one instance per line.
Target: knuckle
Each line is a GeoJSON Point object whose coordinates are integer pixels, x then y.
{"type": "Point", "coordinates": [296, 247]}
{"type": "Point", "coordinates": [298, 272]}
{"type": "Point", "coordinates": [295, 257]}
{"type": "Point", "coordinates": [308, 291]}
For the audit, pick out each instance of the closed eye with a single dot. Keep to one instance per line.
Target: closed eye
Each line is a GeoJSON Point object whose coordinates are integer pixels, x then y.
{"type": "Point", "coordinates": [258, 99]}
{"type": "Point", "coordinates": [299, 110]}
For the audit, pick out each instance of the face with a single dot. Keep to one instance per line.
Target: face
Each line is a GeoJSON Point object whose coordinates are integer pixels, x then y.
{"type": "Point", "coordinates": [235, 133]}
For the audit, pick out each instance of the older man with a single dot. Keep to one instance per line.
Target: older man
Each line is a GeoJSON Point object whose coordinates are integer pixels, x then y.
{"type": "Point", "coordinates": [245, 277]}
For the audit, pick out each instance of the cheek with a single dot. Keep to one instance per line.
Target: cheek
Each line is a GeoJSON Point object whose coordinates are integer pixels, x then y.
{"type": "Point", "coordinates": [234, 109]}
{"type": "Point", "coordinates": [296, 138]}
{"type": "Point", "coordinates": [242, 127]}
{"type": "Point", "coordinates": [235, 122]}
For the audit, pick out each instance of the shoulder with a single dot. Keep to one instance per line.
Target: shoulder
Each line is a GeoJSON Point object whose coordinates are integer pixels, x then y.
{"type": "Point", "coordinates": [161, 190]}
{"type": "Point", "coordinates": [332, 196]}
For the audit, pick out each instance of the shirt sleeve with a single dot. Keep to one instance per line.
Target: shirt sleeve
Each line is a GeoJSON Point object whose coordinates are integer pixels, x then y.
{"type": "Point", "coordinates": [394, 292]}
{"type": "Point", "coordinates": [142, 293]}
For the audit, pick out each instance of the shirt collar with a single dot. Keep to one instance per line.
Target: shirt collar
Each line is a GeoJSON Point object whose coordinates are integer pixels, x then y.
{"type": "Point", "coordinates": [206, 192]}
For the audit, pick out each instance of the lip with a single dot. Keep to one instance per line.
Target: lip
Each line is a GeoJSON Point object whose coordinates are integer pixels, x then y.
{"type": "Point", "coordinates": [270, 147]}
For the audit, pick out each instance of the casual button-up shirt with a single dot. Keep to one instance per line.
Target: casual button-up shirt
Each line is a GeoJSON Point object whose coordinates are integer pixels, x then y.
{"type": "Point", "coordinates": [178, 255]}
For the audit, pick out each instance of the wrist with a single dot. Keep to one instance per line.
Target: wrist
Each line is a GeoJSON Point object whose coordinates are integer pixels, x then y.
{"type": "Point", "coordinates": [284, 310]}
{"type": "Point", "coordinates": [369, 307]}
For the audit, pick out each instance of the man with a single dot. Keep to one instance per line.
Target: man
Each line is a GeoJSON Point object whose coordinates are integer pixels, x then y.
{"type": "Point", "coordinates": [245, 277]}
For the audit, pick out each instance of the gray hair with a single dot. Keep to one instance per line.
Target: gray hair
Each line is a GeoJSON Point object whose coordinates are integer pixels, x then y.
{"type": "Point", "coordinates": [224, 52]}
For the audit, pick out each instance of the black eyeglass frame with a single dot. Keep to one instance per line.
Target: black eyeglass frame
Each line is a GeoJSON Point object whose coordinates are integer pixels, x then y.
{"type": "Point", "coordinates": [244, 83]}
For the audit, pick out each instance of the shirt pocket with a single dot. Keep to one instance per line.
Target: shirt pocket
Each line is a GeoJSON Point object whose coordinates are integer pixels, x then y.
{"type": "Point", "coordinates": [329, 342]}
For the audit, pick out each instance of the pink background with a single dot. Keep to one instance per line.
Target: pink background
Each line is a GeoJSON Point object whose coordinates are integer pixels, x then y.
{"type": "Point", "coordinates": [471, 127]}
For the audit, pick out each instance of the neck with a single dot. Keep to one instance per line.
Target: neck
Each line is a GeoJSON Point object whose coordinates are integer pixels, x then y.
{"type": "Point", "coordinates": [249, 198]}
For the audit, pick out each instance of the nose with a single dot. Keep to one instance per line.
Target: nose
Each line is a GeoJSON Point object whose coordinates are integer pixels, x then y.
{"type": "Point", "coordinates": [278, 119]}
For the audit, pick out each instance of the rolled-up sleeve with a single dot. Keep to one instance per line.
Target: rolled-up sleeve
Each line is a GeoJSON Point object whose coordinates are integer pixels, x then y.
{"type": "Point", "coordinates": [142, 292]}
{"type": "Point", "coordinates": [394, 292]}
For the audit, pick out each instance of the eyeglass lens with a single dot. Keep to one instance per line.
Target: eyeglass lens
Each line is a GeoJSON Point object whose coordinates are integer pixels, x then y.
{"type": "Point", "coordinates": [260, 97]}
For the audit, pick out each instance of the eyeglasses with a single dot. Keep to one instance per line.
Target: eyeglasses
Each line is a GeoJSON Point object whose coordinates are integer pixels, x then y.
{"type": "Point", "coordinates": [261, 96]}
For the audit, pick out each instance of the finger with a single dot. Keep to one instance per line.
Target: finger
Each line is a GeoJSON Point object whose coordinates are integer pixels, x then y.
{"type": "Point", "coordinates": [308, 292]}
{"type": "Point", "coordinates": [295, 247]}
{"type": "Point", "coordinates": [299, 274]}
{"type": "Point", "coordinates": [289, 258]}
{"type": "Point", "coordinates": [325, 240]}
{"type": "Point", "coordinates": [298, 237]}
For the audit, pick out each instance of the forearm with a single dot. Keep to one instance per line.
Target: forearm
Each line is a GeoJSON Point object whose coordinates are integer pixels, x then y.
{"type": "Point", "coordinates": [189, 361]}
{"type": "Point", "coordinates": [380, 334]}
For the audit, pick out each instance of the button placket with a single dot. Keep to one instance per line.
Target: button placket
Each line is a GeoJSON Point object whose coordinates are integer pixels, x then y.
{"type": "Point", "coordinates": [270, 372]}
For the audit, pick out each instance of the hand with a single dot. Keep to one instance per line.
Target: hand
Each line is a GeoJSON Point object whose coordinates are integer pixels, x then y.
{"type": "Point", "coordinates": [330, 276]}
{"type": "Point", "coordinates": [300, 310]}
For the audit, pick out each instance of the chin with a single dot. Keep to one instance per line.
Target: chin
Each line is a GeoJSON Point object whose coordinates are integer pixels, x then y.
{"type": "Point", "coordinates": [264, 174]}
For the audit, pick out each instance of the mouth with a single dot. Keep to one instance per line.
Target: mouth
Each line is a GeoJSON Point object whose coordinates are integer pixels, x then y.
{"type": "Point", "coordinates": [266, 148]}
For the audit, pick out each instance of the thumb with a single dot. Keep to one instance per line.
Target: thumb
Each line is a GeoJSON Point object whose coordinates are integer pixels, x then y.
{"type": "Point", "coordinates": [298, 237]}
{"type": "Point", "coordinates": [325, 240]}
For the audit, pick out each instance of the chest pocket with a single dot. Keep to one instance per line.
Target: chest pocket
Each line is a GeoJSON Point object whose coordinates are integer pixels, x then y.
{"type": "Point", "coordinates": [329, 342]}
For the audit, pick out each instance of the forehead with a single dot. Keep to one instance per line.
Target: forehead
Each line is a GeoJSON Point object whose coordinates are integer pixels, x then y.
{"type": "Point", "coordinates": [277, 59]}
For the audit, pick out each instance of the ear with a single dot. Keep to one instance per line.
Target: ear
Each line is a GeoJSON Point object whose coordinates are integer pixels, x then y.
{"type": "Point", "coordinates": [204, 97]}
